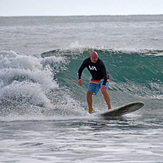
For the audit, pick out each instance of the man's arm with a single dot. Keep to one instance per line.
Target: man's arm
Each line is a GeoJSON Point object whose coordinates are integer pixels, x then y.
{"type": "Point", "coordinates": [82, 67]}
{"type": "Point", "coordinates": [104, 71]}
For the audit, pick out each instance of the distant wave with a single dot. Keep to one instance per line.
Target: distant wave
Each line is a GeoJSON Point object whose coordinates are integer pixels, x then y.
{"type": "Point", "coordinates": [78, 51]}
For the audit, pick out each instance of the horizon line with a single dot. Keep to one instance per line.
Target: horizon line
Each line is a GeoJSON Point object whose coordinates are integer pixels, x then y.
{"type": "Point", "coordinates": [80, 15]}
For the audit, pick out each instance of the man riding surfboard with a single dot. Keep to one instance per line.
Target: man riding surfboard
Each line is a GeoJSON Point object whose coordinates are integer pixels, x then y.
{"type": "Point", "coordinates": [100, 79]}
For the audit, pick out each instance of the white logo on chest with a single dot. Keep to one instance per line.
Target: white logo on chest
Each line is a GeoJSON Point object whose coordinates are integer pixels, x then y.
{"type": "Point", "coordinates": [93, 68]}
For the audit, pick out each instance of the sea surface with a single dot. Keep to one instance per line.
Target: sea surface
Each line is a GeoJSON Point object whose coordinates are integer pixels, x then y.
{"type": "Point", "coordinates": [42, 108]}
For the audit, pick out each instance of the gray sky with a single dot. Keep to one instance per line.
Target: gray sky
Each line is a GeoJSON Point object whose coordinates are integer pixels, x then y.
{"type": "Point", "coordinates": [79, 7]}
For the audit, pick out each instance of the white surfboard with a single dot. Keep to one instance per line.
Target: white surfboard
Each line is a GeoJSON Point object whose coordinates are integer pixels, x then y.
{"type": "Point", "coordinates": [123, 110]}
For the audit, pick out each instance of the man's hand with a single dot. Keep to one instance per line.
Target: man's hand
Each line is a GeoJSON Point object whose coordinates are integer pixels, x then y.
{"type": "Point", "coordinates": [80, 82]}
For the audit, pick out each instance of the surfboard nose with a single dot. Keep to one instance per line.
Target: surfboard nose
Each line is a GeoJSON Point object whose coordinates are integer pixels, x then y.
{"type": "Point", "coordinates": [123, 109]}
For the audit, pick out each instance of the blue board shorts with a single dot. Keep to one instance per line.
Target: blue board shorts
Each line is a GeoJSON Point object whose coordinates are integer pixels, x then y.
{"type": "Point", "coordinates": [95, 85]}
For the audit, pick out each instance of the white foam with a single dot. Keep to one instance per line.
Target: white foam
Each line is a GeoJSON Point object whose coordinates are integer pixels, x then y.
{"type": "Point", "coordinates": [28, 82]}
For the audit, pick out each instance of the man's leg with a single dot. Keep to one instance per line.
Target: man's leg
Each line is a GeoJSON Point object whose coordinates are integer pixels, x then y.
{"type": "Point", "coordinates": [89, 101]}
{"type": "Point", "coordinates": [106, 97]}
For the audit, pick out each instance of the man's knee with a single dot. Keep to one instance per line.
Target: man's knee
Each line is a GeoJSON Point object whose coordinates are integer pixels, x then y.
{"type": "Point", "coordinates": [104, 91]}
{"type": "Point", "coordinates": [89, 94]}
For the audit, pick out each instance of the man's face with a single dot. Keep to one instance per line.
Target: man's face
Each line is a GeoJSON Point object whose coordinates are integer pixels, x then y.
{"type": "Point", "coordinates": [94, 58]}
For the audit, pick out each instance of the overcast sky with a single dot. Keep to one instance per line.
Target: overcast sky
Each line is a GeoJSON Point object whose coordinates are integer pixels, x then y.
{"type": "Point", "coordinates": [79, 7]}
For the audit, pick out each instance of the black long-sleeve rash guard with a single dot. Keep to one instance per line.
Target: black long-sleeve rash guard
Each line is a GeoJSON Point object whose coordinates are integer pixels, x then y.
{"type": "Point", "coordinates": [97, 70]}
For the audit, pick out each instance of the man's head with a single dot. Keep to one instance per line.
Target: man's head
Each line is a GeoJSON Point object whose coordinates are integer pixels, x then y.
{"type": "Point", "coordinates": [94, 57]}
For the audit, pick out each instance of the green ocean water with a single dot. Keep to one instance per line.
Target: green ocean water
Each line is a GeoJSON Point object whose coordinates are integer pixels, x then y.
{"type": "Point", "coordinates": [134, 75]}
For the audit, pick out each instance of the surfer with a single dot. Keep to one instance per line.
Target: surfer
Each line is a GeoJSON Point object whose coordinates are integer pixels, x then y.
{"type": "Point", "coordinates": [100, 78]}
